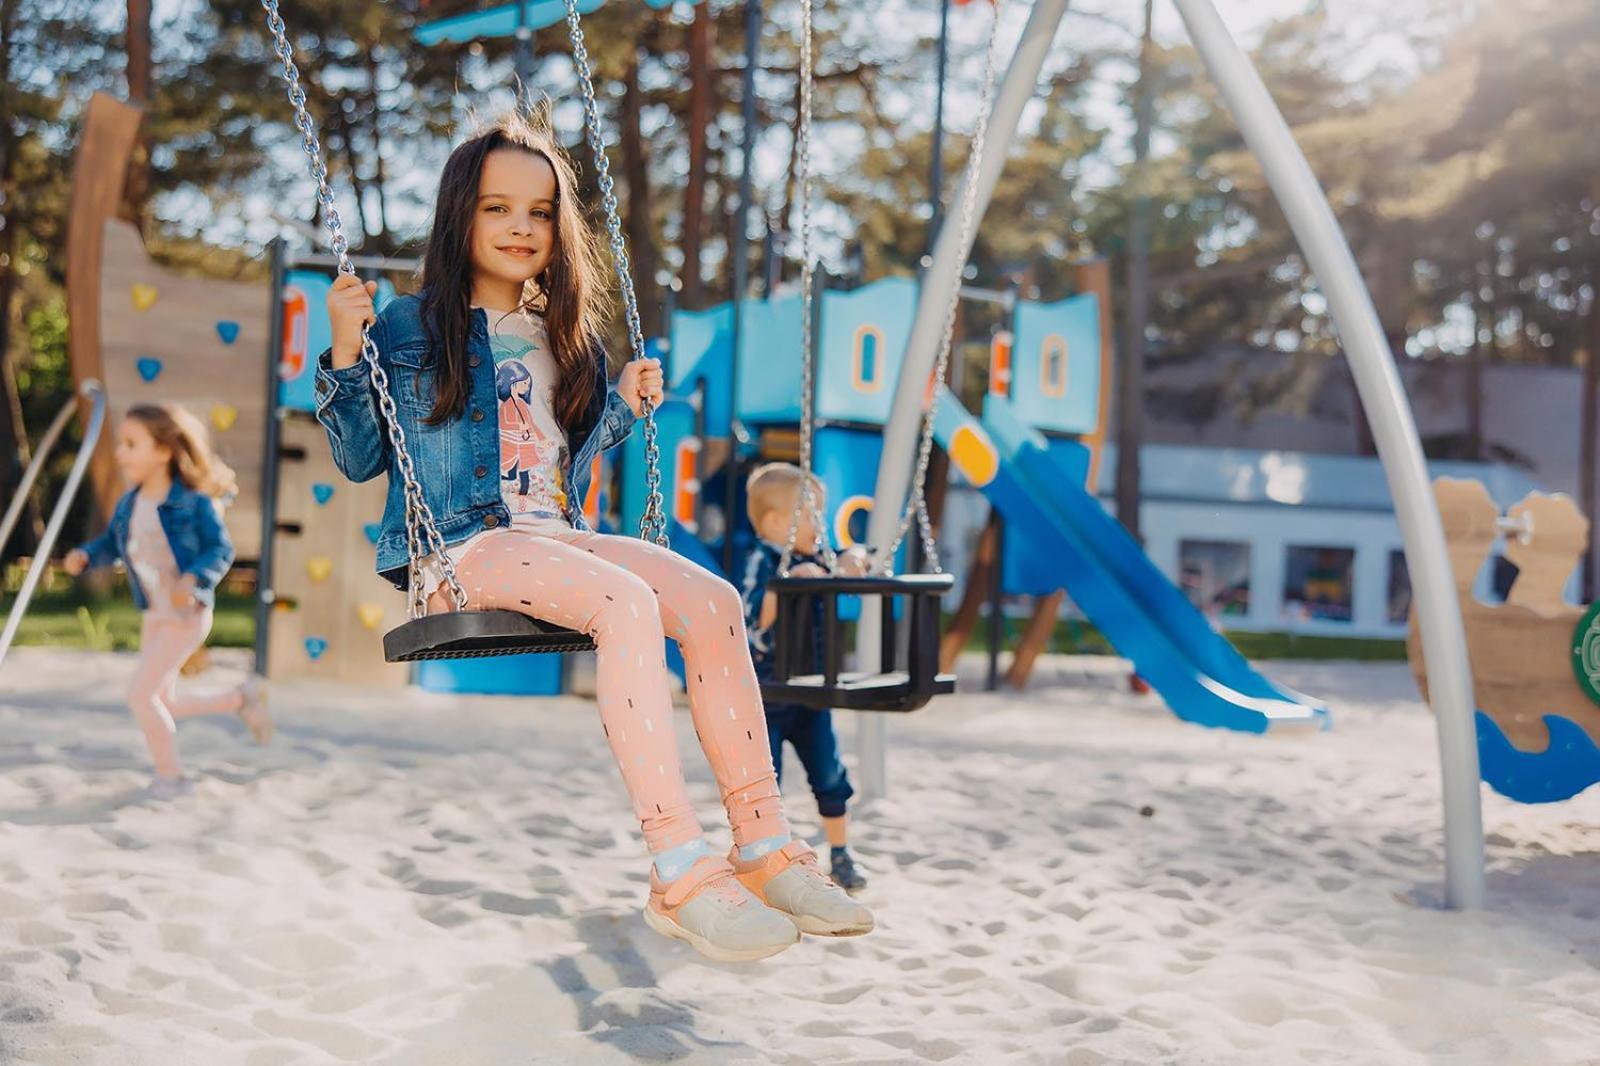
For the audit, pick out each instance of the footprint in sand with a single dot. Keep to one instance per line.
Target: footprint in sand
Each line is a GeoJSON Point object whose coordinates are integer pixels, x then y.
{"type": "Point", "coordinates": [41, 934]}
{"type": "Point", "coordinates": [521, 906]}
{"type": "Point", "coordinates": [97, 903]}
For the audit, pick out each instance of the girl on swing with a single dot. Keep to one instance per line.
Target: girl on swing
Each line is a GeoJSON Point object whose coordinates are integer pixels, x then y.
{"type": "Point", "coordinates": [511, 274]}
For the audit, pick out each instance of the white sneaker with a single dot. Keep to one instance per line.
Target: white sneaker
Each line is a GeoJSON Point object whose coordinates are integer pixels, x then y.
{"type": "Point", "coordinates": [711, 911]}
{"type": "Point", "coordinates": [254, 712]}
{"type": "Point", "coordinates": [162, 787]}
{"type": "Point", "coordinates": [789, 880]}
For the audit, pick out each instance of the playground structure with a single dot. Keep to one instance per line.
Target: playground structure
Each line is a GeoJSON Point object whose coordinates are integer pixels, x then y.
{"type": "Point", "coordinates": [1033, 454]}
{"type": "Point", "coordinates": [237, 354]}
{"type": "Point", "coordinates": [1438, 621]}
{"type": "Point", "coordinates": [1536, 657]}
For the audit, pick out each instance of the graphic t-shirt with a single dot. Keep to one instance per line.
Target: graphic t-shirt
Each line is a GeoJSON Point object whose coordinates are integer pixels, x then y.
{"type": "Point", "coordinates": [533, 445]}
{"type": "Point", "coordinates": [150, 556]}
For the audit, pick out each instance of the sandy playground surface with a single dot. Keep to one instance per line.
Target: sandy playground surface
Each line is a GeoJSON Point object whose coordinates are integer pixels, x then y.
{"type": "Point", "coordinates": [1068, 876]}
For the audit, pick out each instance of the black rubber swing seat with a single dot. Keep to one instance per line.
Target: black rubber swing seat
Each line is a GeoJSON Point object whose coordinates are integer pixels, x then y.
{"type": "Point", "coordinates": [908, 669]}
{"type": "Point", "coordinates": [477, 635]}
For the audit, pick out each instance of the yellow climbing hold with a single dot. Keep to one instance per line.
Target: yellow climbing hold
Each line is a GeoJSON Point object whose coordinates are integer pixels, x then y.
{"type": "Point", "coordinates": [370, 614]}
{"type": "Point", "coordinates": [319, 567]}
{"type": "Point", "coordinates": [223, 416]}
{"type": "Point", "coordinates": [144, 296]}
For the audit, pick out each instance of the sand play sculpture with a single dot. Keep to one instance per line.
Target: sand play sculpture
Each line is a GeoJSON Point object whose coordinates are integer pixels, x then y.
{"type": "Point", "coordinates": [1535, 658]}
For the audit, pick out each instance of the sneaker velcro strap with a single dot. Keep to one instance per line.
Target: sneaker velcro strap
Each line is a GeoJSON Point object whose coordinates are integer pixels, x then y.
{"type": "Point", "coordinates": [705, 870]}
{"type": "Point", "coordinates": [797, 851]}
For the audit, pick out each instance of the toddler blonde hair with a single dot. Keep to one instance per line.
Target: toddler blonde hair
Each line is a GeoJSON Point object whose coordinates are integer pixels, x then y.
{"type": "Point", "coordinates": [776, 487]}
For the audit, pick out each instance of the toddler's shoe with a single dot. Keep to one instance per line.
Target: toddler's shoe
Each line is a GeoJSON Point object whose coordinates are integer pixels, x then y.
{"type": "Point", "coordinates": [789, 880]}
{"type": "Point", "coordinates": [844, 871]}
{"type": "Point", "coordinates": [714, 914]}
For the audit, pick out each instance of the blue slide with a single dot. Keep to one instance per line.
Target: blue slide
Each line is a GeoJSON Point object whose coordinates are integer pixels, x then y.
{"type": "Point", "coordinates": [1147, 619]}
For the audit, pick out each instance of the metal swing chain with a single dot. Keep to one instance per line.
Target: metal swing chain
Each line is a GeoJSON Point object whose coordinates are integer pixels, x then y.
{"type": "Point", "coordinates": [808, 374]}
{"type": "Point", "coordinates": [422, 534]}
{"type": "Point", "coordinates": [917, 504]}
{"type": "Point", "coordinates": [653, 524]}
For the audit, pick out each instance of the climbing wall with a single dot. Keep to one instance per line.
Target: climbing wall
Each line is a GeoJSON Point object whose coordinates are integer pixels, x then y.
{"type": "Point", "coordinates": [199, 342]}
{"type": "Point", "coordinates": [330, 608]}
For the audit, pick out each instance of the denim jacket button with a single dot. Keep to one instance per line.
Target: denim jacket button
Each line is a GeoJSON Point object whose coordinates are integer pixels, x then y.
{"type": "Point", "coordinates": [481, 471]}
{"type": "Point", "coordinates": [490, 521]}
{"type": "Point", "coordinates": [474, 361]}
{"type": "Point", "coordinates": [477, 416]}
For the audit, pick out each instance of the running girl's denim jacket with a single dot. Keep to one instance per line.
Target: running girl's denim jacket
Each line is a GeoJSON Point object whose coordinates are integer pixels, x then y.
{"type": "Point", "coordinates": [457, 462]}
{"type": "Point", "coordinates": [194, 529]}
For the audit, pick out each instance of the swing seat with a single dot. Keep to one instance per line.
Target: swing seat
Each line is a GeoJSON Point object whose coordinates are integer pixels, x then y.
{"type": "Point", "coordinates": [908, 669]}
{"type": "Point", "coordinates": [477, 635]}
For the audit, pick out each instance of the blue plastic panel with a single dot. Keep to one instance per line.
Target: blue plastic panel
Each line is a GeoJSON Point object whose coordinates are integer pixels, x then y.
{"type": "Point", "coordinates": [1055, 365]}
{"type": "Point", "coordinates": [864, 335]}
{"type": "Point", "coordinates": [674, 425]}
{"type": "Point", "coordinates": [507, 675]}
{"type": "Point", "coordinates": [702, 351]}
{"type": "Point", "coordinates": [306, 333]}
{"type": "Point", "coordinates": [769, 361]}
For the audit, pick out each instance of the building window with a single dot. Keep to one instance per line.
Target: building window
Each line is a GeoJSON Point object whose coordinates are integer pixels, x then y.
{"type": "Point", "coordinates": [1398, 605]}
{"type": "Point", "coordinates": [1053, 366]}
{"type": "Point", "coordinates": [1215, 575]}
{"type": "Point", "coordinates": [1319, 584]}
{"type": "Point", "coordinates": [869, 359]}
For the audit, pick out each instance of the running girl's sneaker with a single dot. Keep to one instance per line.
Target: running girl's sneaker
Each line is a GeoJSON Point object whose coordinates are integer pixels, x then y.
{"type": "Point", "coordinates": [254, 712]}
{"type": "Point", "coordinates": [789, 880]}
{"type": "Point", "coordinates": [168, 788]}
{"type": "Point", "coordinates": [710, 910]}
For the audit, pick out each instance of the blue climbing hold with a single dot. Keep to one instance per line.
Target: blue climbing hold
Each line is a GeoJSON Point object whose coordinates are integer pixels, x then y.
{"type": "Point", "coordinates": [228, 331]}
{"type": "Point", "coordinates": [323, 492]}
{"type": "Point", "coordinates": [372, 529]}
{"type": "Point", "coordinates": [148, 367]}
{"type": "Point", "coordinates": [315, 646]}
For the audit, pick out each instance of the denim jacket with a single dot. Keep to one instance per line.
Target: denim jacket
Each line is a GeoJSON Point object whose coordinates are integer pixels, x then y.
{"type": "Point", "coordinates": [195, 533]}
{"type": "Point", "coordinates": [457, 462]}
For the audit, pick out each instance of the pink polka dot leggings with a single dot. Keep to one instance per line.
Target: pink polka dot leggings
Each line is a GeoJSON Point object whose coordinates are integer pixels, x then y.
{"type": "Point", "coordinates": [630, 595]}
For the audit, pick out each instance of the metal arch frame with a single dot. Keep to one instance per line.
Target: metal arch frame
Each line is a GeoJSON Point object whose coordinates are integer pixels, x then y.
{"type": "Point", "coordinates": [1383, 399]}
{"type": "Point", "coordinates": [96, 396]}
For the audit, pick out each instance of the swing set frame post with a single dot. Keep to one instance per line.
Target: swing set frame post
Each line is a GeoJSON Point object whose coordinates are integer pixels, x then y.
{"type": "Point", "coordinates": [900, 438]}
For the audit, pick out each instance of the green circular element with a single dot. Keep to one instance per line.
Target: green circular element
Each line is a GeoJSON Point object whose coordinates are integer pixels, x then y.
{"type": "Point", "coordinates": [1586, 652]}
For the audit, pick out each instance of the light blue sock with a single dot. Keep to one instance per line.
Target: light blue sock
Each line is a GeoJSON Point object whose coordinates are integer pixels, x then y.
{"type": "Point", "coordinates": [765, 846]}
{"type": "Point", "coordinates": [675, 862]}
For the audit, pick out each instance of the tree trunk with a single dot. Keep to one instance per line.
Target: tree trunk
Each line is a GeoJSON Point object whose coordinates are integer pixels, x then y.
{"type": "Point", "coordinates": [1588, 428]}
{"type": "Point", "coordinates": [790, 185]}
{"type": "Point", "coordinates": [1130, 384]}
{"type": "Point", "coordinates": [141, 90]}
{"type": "Point", "coordinates": [636, 172]}
{"type": "Point", "coordinates": [15, 453]}
{"type": "Point", "coordinates": [1484, 315]}
{"type": "Point", "coordinates": [380, 238]}
{"type": "Point", "coordinates": [700, 75]}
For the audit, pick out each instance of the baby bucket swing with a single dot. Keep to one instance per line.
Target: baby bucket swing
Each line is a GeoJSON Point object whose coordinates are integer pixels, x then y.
{"type": "Point", "coordinates": [464, 633]}
{"type": "Point", "coordinates": [907, 676]}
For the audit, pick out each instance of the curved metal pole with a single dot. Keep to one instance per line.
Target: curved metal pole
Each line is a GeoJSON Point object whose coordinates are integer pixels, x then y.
{"type": "Point", "coordinates": [41, 452]}
{"type": "Point", "coordinates": [1444, 640]}
{"type": "Point", "coordinates": [922, 349]}
{"type": "Point", "coordinates": [91, 436]}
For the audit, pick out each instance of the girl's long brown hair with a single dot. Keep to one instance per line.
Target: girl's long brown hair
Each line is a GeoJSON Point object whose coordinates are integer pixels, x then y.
{"type": "Point", "coordinates": [193, 462]}
{"type": "Point", "coordinates": [569, 292]}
